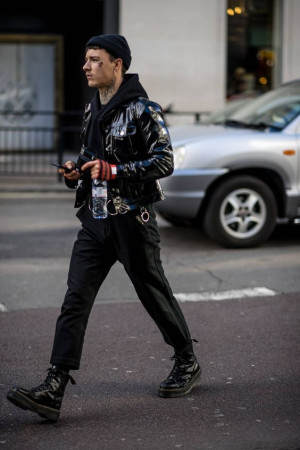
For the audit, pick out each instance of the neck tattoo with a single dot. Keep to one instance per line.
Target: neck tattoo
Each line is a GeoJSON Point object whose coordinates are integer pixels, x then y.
{"type": "Point", "coordinates": [107, 93]}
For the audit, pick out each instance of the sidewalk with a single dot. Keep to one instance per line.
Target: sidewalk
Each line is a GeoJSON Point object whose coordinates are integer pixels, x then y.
{"type": "Point", "coordinates": [32, 183]}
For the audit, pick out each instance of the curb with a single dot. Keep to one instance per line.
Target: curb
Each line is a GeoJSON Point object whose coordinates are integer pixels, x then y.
{"type": "Point", "coordinates": [17, 184]}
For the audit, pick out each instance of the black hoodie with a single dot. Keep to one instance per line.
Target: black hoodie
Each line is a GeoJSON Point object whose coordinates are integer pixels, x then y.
{"type": "Point", "coordinates": [129, 90]}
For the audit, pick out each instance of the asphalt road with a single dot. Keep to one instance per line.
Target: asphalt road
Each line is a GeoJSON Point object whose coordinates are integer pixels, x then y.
{"type": "Point", "coordinates": [248, 398]}
{"type": "Point", "coordinates": [37, 235]}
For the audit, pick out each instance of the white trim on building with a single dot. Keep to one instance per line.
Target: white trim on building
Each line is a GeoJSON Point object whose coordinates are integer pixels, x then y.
{"type": "Point", "coordinates": [291, 39]}
{"type": "Point", "coordinates": [179, 49]}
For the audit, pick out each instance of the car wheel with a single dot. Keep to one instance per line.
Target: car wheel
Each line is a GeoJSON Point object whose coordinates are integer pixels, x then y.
{"type": "Point", "coordinates": [241, 213]}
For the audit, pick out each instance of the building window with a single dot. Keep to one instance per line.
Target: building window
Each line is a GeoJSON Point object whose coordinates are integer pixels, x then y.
{"type": "Point", "coordinates": [31, 90]}
{"type": "Point", "coordinates": [253, 47]}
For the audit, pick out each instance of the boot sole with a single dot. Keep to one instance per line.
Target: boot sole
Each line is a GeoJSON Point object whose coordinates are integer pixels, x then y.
{"type": "Point", "coordinates": [23, 402]}
{"type": "Point", "coordinates": [180, 392]}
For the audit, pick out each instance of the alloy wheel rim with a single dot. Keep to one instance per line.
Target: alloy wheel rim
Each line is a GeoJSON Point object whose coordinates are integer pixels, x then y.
{"type": "Point", "coordinates": [243, 213]}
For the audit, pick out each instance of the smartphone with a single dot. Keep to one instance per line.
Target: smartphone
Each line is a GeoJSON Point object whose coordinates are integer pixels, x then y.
{"type": "Point", "coordinates": [67, 170]}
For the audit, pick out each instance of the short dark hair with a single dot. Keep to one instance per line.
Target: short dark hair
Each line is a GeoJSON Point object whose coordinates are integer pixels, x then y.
{"type": "Point", "coordinates": [111, 57]}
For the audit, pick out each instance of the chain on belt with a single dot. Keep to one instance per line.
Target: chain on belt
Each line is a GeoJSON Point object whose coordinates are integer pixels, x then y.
{"type": "Point", "coordinates": [120, 208]}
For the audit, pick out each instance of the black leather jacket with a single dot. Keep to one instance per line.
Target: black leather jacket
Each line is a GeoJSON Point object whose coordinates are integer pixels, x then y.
{"type": "Point", "coordinates": [135, 138]}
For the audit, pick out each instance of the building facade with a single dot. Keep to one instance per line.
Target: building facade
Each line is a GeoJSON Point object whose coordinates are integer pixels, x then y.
{"type": "Point", "coordinates": [191, 55]}
{"type": "Point", "coordinates": [195, 55]}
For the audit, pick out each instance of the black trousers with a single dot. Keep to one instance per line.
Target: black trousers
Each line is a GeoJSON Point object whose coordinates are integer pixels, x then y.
{"type": "Point", "coordinates": [100, 243]}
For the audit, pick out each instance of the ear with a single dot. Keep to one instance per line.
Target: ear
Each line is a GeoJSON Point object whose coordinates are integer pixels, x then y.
{"type": "Point", "coordinates": [118, 62]}
{"type": "Point", "coordinates": [118, 65]}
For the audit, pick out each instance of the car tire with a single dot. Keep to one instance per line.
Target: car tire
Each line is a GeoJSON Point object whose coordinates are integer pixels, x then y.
{"type": "Point", "coordinates": [241, 212]}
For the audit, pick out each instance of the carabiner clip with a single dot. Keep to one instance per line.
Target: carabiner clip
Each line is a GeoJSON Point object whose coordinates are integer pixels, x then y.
{"type": "Point", "coordinates": [145, 216]}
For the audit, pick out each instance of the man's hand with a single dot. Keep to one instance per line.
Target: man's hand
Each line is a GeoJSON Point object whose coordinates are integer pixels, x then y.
{"type": "Point", "coordinates": [73, 175]}
{"type": "Point", "coordinates": [100, 169]}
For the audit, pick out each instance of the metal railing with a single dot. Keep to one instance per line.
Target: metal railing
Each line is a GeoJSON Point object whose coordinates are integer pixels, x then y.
{"type": "Point", "coordinates": [31, 140]}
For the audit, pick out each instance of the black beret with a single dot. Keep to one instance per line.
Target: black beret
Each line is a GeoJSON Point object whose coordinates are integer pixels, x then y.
{"type": "Point", "coordinates": [115, 44]}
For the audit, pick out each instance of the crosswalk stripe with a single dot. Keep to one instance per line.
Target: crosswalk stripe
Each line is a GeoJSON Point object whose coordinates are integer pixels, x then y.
{"type": "Point", "coordinates": [225, 295]}
{"type": "Point", "coordinates": [3, 308]}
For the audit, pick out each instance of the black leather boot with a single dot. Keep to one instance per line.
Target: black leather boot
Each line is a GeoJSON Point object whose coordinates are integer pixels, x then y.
{"type": "Point", "coordinates": [45, 399]}
{"type": "Point", "coordinates": [183, 377]}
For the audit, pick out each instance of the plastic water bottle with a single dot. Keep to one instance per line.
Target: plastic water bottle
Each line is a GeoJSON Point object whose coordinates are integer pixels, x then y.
{"type": "Point", "coordinates": [99, 199]}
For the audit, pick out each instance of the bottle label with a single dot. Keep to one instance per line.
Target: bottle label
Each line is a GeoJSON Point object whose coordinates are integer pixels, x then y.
{"type": "Point", "coordinates": [99, 191]}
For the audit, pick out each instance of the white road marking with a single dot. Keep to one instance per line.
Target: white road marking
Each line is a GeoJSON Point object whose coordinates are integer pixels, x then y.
{"type": "Point", "coordinates": [207, 296]}
{"type": "Point", "coordinates": [3, 308]}
{"type": "Point", "coordinates": [225, 295]}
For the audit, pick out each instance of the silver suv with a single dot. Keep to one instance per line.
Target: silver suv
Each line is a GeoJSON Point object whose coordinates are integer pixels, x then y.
{"type": "Point", "coordinates": [240, 178]}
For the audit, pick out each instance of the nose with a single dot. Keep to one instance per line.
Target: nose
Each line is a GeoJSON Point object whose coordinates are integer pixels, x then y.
{"type": "Point", "coordinates": [86, 66]}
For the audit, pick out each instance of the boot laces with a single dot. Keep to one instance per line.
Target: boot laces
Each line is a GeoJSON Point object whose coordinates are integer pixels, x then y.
{"type": "Point", "coordinates": [180, 363]}
{"type": "Point", "coordinates": [52, 375]}
{"type": "Point", "coordinates": [47, 383]}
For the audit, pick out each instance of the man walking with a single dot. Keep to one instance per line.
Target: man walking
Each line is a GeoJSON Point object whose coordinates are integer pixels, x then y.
{"type": "Point", "coordinates": [125, 141]}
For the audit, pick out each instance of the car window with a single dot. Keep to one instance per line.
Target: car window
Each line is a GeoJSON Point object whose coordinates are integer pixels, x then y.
{"type": "Point", "coordinates": [219, 116]}
{"type": "Point", "coordinates": [276, 108]}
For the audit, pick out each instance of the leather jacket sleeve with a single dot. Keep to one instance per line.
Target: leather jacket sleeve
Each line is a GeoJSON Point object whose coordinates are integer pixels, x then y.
{"type": "Point", "coordinates": [156, 149]}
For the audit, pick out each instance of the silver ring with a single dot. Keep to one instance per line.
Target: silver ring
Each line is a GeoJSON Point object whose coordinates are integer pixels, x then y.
{"type": "Point", "coordinates": [145, 216]}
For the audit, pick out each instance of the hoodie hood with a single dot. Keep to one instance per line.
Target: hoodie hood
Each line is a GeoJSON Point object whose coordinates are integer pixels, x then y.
{"type": "Point", "coordinates": [129, 90]}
